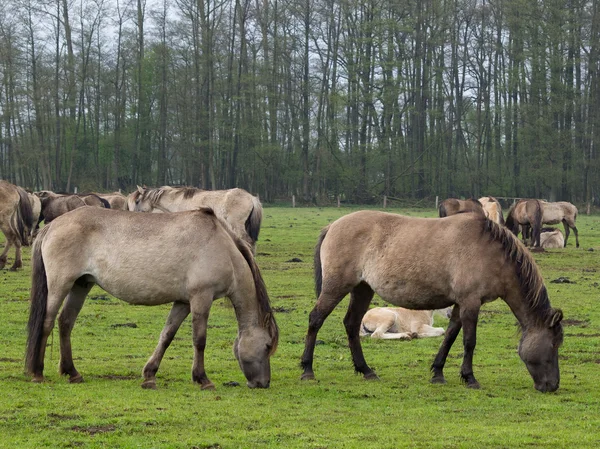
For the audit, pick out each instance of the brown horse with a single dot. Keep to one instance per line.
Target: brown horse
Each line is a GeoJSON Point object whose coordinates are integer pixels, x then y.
{"type": "Point", "coordinates": [16, 221]}
{"type": "Point", "coordinates": [56, 204]}
{"type": "Point", "coordinates": [195, 260]}
{"type": "Point", "coordinates": [116, 200]}
{"type": "Point", "coordinates": [238, 208]}
{"type": "Point", "coordinates": [471, 261]}
{"type": "Point", "coordinates": [562, 211]}
{"type": "Point", "coordinates": [526, 215]}
{"type": "Point", "coordinates": [492, 209]}
{"type": "Point", "coordinates": [398, 323]}
{"type": "Point", "coordinates": [452, 206]}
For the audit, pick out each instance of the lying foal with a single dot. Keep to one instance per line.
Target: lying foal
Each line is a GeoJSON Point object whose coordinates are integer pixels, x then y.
{"type": "Point", "coordinates": [400, 323]}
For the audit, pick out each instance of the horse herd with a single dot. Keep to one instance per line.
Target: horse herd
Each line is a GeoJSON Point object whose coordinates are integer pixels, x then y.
{"type": "Point", "coordinates": [200, 247]}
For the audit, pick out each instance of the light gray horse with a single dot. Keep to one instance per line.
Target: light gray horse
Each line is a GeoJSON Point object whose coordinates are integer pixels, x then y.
{"type": "Point", "coordinates": [188, 259]}
{"type": "Point", "coordinates": [16, 221]}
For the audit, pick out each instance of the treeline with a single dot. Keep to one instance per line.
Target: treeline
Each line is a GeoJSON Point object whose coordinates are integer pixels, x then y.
{"type": "Point", "coordinates": [316, 98]}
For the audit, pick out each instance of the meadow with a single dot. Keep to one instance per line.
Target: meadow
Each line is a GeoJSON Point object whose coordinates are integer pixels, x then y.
{"type": "Point", "coordinates": [112, 340]}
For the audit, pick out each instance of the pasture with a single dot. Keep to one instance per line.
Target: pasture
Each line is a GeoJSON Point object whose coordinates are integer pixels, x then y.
{"type": "Point", "coordinates": [112, 340]}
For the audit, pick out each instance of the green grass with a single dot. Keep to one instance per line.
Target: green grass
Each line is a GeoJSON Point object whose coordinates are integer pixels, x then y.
{"type": "Point", "coordinates": [340, 409]}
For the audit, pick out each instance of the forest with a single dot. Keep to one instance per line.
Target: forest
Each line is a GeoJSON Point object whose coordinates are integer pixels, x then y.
{"type": "Point", "coordinates": [313, 98]}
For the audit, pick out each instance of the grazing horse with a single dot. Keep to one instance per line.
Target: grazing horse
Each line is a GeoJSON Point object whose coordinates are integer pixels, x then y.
{"type": "Point", "coordinates": [561, 211]}
{"type": "Point", "coordinates": [551, 238]}
{"type": "Point", "coordinates": [453, 206]}
{"type": "Point", "coordinates": [195, 260]}
{"type": "Point", "coordinates": [56, 204]}
{"type": "Point", "coordinates": [400, 323]}
{"type": "Point", "coordinates": [16, 221]}
{"type": "Point", "coordinates": [471, 261]}
{"type": "Point", "coordinates": [492, 209]}
{"type": "Point", "coordinates": [238, 208]}
{"type": "Point", "coordinates": [527, 216]}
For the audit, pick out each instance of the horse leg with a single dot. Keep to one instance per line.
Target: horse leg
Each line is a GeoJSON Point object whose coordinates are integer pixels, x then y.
{"type": "Point", "coordinates": [178, 313]}
{"type": "Point", "coordinates": [429, 331]}
{"type": "Point", "coordinates": [360, 298]}
{"type": "Point", "coordinates": [324, 306]}
{"type": "Point", "coordinates": [468, 317]}
{"type": "Point", "coordinates": [437, 367]}
{"type": "Point", "coordinates": [200, 308]}
{"type": "Point", "coordinates": [4, 255]}
{"type": "Point", "coordinates": [18, 263]}
{"type": "Point", "coordinates": [66, 321]}
{"type": "Point", "coordinates": [567, 232]}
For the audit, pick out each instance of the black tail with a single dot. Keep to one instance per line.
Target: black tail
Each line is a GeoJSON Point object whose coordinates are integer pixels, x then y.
{"type": "Point", "coordinates": [317, 262]}
{"type": "Point", "coordinates": [37, 312]}
{"type": "Point", "coordinates": [537, 224]}
{"type": "Point", "coordinates": [442, 210]}
{"type": "Point", "coordinates": [254, 220]}
{"type": "Point", "coordinates": [105, 202]}
{"type": "Point", "coordinates": [24, 217]}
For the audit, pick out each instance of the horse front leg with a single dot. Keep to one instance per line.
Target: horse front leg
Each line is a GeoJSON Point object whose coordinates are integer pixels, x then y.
{"type": "Point", "coordinates": [360, 298]}
{"type": "Point", "coordinates": [18, 263]}
{"type": "Point", "coordinates": [454, 327]}
{"type": "Point", "coordinates": [178, 313]}
{"type": "Point", "coordinates": [324, 306]}
{"type": "Point", "coordinates": [469, 317]}
{"type": "Point", "coordinates": [66, 321]}
{"type": "Point", "coordinates": [200, 308]}
{"type": "Point", "coordinates": [4, 255]}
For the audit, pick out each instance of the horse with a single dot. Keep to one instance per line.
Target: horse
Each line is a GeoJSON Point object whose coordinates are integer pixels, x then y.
{"type": "Point", "coordinates": [402, 324]}
{"type": "Point", "coordinates": [116, 200]}
{"type": "Point", "coordinates": [561, 211]}
{"type": "Point", "coordinates": [551, 238]}
{"type": "Point", "coordinates": [16, 221]}
{"type": "Point", "coordinates": [471, 261]}
{"type": "Point", "coordinates": [195, 259]}
{"type": "Point", "coordinates": [453, 206]}
{"type": "Point", "coordinates": [492, 209]}
{"type": "Point", "coordinates": [527, 216]}
{"type": "Point", "coordinates": [36, 208]}
{"type": "Point", "coordinates": [238, 208]}
{"type": "Point", "coordinates": [56, 204]}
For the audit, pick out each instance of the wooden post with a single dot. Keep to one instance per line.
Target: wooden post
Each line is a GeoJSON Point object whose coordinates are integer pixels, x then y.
{"type": "Point", "coordinates": [588, 209]}
{"type": "Point", "coordinates": [75, 190]}
{"type": "Point", "coordinates": [384, 201]}
{"type": "Point", "coordinates": [293, 200]}
{"type": "Point", "coordinates": [338, 201]}
{"type": "Point", "coordinates": [437, 199]}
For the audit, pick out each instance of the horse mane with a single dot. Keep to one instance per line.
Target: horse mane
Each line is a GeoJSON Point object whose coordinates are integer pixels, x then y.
{"type": "Point", "coordinates": [531, 283]}
{"type": "Point", "coordinates": [153, 195]}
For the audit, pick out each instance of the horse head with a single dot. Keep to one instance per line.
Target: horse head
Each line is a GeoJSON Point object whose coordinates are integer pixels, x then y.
{"type": "Point", "coordinates": [538, 348]}
{"type": "Point", "coordinates": [252, 349]}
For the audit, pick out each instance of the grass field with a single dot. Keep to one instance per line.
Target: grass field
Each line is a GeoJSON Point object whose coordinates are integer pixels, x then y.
{"type": "Point", "coordinates": [112, 341]}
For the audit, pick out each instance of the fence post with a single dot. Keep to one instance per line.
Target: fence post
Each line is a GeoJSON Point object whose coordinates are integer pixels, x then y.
{"type": "Point", "coordinates": [338, 200]}
{"type": "Point", "coordinates": [75, 190]}
{"type": "Point", "coordinates": [293, 200]}
{"type": "Point", "coordinates": [384, 201]}
{"type": "Point", "coordinates": [437, 199]}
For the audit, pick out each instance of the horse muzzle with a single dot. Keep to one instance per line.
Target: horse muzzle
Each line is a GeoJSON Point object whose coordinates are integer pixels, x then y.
{"type": "Point", "coordinates": [546, 387]}
{"type": "Point", "coordinates": [258, 384]}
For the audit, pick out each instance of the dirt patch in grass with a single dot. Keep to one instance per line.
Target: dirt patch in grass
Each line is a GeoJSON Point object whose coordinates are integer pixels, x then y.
{"type": "Point", "coordinates": [93, 430]}
{"type": "Point", "coordinates": [584, 335]}
{"type": "Point", "coordinates": [573, 322]}
{"type": "Point", "coordinates": [8, 360]}
{"type": "Point", "coordinates": [59, 417]}
{"type": "Point", "coordinates": [117, 377]}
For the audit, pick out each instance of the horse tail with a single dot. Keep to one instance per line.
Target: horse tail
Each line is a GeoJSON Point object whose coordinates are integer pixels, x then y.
{"type": "Point", "coordinates": [537, 224]}
{"type": "Point", "coordinates": [510, 222]}
{"type": "Point", "coordinates": [23, 219]}
{"type": "Point", "coordinates": [317, 262]}
{"type": "Point", "coordinates": [254, 220]}
{"type": "Point", "coordinates": [104, 202]}
{"type": "Point", "coordinates": [261, 292]}
{"type": "Point", "coordinates": [442, 210]}
{"type": "Point", "coordinates": [37, 311]}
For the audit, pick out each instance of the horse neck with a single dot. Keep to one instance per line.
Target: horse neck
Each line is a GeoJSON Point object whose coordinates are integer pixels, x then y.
{"type": "Point", "coordinates": [527, 314]}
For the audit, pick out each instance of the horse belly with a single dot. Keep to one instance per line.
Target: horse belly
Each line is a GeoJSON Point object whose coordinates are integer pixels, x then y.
{"type": "Point", "coordinates": [411, 296]}
{"type": "Point", "coordinates": [144, 293]}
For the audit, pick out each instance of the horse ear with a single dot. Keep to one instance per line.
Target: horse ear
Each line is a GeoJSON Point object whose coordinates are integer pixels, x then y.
{"type": "Point", "coordinates": [140, 190]}
{"type": "Point", "coordinates": [556, 317]}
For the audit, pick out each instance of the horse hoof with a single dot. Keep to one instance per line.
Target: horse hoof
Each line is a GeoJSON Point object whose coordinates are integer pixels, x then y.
{"type": "Point", "coordinates": [38, 379]}
{"type": "Point", "coordinates": [438, 380]}
{"type": "Point", "coordinates": [77, 379]}
{"type": "Point", "coordinates": [474, 385]}
{"type": "Point", "coordinates": [149, 385]}
{"type": "Point", "coordinates": [308, 376]}
{"type": "Point", "coordinates": [371, 376]}
{"type": "Point", "coordinates": [208, 386]}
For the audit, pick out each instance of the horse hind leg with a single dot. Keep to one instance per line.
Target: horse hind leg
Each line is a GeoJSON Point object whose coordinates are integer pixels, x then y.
{"type": "Point", "coordinates": [178, 313]}
{"type": "Point", "coordinates": [360, 298]}
{"type": "Point", "coordinates": [4, 255]}
{"type": "Point", "coordinates": [429, 331]}
{"type": "Point", "coordinates": [437, 367]}
{"type": "Point", "coordinates": [66, 321]}
{"type": "Point", "coordinates": [325, 304]}
{"type": "Point", "coordinates": [18, 263]}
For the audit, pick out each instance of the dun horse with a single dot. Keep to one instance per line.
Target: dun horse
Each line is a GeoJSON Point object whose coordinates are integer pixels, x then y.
{"type": "Point", "coordinates": [551, 238]}
{"type": "Point", "coordinates": [398, 323]}
{"type": "Point", "coordinates": [562, 211]}
{"type": "Point", "coordinates": [238, 208]}
{"type": "Point", "coordinates": [453, 206]}
{"type": "Point", "coordinates": [526, 215]}
{"type": "Point", "coordinates": [116, 200]}
{"type": "Point", "coordinates": [195, 259]}
{"type": "Point", "coordinates": [472, 261]}
{"type": "Point", "coordinates": [492, 209]}
{"type": "Point", "coordinates": [16, 221]}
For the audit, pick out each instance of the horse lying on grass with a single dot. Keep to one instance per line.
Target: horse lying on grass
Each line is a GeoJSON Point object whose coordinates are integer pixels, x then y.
{"type": "Point", "coordinates": [552, 238]}
{"type": "Point", "coordinates": [428, 263]}
{"type": "Point", "coordinates": [398, 323]}
{"type": "Point", "coordinates": [188, 259]}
